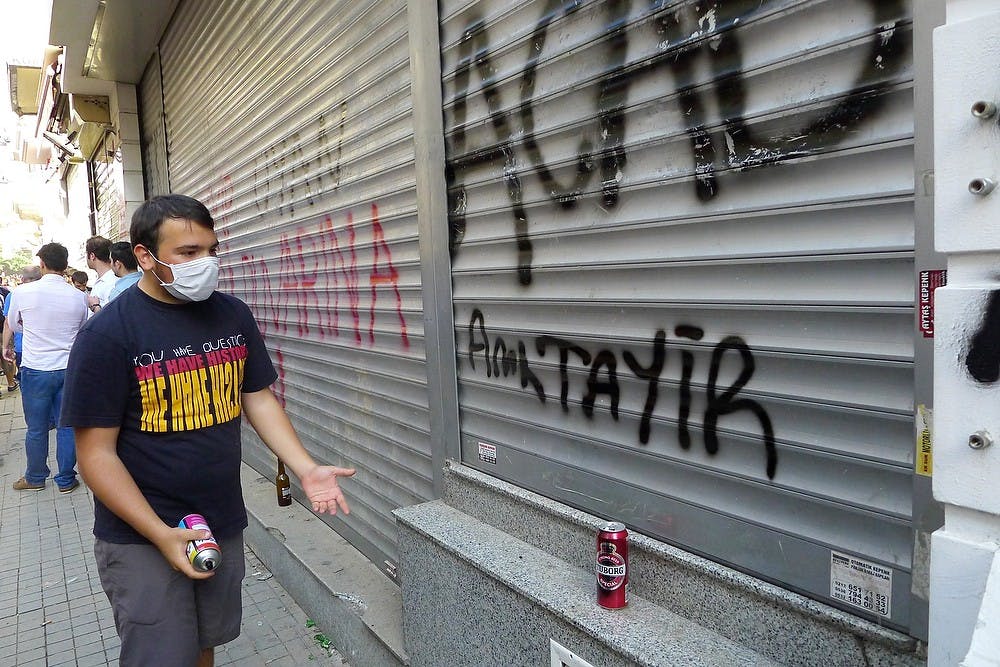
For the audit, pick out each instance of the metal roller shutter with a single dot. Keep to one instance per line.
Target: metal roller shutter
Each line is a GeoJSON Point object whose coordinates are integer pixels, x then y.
{"type": "Point", "coordinates": [109, 190]}
{"type": "Point", "coordinates": [292, 121]}
{"type": "Point", "coordinates": [154, 138]}
{"type": "Point", "coordinates": [683, 239]}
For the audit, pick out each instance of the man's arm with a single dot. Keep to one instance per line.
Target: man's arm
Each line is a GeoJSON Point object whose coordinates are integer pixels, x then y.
{"type": "Point", "coordinates": [13, 314]}
{"type": "Point", "coordinates": [7, 350]}
{"type": "Point", "coordinates": [112, 484]}
{"type": "Point", "coordinates": [268, 418]}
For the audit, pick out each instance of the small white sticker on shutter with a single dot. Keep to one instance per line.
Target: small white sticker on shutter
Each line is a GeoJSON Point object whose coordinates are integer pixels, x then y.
{"type": "Point", "coordinates": [861, 583]}
{"type": "Point", "coordinates": [487, 453]}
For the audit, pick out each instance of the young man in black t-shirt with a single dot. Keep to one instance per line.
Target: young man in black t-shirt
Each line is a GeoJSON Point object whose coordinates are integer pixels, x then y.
{"type": "Point", "coordinates": [155, 387]}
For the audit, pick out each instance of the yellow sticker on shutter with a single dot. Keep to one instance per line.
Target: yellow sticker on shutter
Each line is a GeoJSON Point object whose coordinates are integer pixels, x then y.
{"type": "Point", "coordinates": [925, 450]}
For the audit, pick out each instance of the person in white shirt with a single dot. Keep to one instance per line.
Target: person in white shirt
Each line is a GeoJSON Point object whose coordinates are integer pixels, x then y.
{"type": "Point", "coordinates": [49, 312]}
{"type": "Point", "coordinates": [99, 259]}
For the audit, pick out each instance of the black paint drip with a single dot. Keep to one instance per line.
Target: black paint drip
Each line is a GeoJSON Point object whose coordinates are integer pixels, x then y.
{"type": "Point", "coordinates": [983, 359]}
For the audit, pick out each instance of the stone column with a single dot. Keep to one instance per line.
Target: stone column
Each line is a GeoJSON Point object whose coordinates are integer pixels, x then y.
{"type": "Point", "coordinates": [125, 118]}
{"type": "Point", "coordinates": [965, 566]}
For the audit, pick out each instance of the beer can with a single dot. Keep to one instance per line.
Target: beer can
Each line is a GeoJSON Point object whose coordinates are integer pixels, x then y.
{"type": "Point", "coordinates": [205, 554]}
{"type": "Point", "coordinates": [612, 565]}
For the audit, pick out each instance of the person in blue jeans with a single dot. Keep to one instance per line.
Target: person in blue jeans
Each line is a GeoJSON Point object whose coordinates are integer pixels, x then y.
{"type": "Point", "coordinates": [49, 312]}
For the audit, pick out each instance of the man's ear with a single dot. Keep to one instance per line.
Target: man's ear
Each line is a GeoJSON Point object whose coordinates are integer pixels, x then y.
{"type": "Point", "coordinates": [143, 257]}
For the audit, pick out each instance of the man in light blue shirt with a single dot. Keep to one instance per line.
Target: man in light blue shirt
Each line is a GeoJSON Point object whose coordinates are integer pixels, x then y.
{"type": "Point", "coordinates": [125, 267]}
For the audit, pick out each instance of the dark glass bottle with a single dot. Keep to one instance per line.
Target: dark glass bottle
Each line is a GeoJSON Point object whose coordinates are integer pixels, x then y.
{"type": "Point", "coordinates": [283, 486]}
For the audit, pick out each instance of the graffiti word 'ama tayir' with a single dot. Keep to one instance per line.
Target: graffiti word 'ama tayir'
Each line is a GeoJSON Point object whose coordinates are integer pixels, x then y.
{"type": "Point", "coordinates": [498, 359]}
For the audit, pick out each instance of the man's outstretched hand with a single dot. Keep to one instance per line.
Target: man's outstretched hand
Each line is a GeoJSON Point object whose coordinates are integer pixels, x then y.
{"type": "Point", "coordinates": [323, 491]}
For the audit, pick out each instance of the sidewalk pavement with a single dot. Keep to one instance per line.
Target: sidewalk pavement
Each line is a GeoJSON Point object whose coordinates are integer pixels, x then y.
{"type": "Point", "coordinates": [53, 610]}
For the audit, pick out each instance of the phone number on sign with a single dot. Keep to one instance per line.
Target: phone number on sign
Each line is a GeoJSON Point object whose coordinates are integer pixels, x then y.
{"type": "Point", "coordinates": [861, 597]}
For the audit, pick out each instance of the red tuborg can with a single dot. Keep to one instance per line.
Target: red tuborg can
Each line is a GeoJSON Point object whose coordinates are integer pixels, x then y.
{"type": "Point", "coordinates": [612, 565]}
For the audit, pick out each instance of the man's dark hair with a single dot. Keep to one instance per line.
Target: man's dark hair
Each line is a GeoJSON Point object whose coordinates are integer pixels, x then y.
{"type": "Point", "coordinates": [80, 277]}
{"type": "Point", "coordinates": [55, 256]}
{"type": "Point", "coordinates": [122, 252]}
{"type": "Point", "coordinates": [146, 220]}
{"type": "Point", "coordinates": [100, 247]}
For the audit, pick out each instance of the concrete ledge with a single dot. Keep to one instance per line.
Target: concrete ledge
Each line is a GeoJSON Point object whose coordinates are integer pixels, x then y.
{"type": "Point", "coordinates": [783, 625]}
{"type": "Point", "coordinates": [353, 603]}
{"type": "Point", "coordinates": [505, 599]}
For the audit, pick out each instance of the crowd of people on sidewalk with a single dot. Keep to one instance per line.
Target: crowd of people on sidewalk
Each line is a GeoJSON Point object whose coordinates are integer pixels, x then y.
{"type": "Point", "coordinates": [144, 378]}
{"type": "Point", "coordinates": [41, 318]}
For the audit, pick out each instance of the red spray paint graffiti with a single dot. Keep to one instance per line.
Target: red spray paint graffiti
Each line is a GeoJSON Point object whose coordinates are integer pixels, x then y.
{"type": "Point", "coordinates": [315, 267]}
{"type": "Point", "coordinates": [387, 277]}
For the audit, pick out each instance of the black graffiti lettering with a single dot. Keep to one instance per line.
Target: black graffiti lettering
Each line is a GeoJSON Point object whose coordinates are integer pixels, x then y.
{"type": "Point", "coordinates": [324, 151]}
{"type": "Point", "coordinates": [565, 347]}
{"type": "Point", "coordinates": [602, 378]}
{"type": "Point", "coordinates": [886, 52]}
{"type": "Point", "coordinates": [497, 343]}
{"type": "Point", "coordinates": [473, 52]}
{"type": "Point", "coordinates": [279, 167]}
{"type": "Point", "coordinates": [611, 103]}
{"type": "Point", "coordinates": [983, 357]}
{"type": "Point", "coordinates": [502, 359]}
{"type": "Point", "coordinates": [688, 331]}
{"type": "Point", "coordinates": [477, 316]}
{"type": "Point", "coordinates": [603, 359]}
{"type": "Point", "coordinates": [691, 53]}
{"type": "Point", "coordinates": [564, 195]}
{"type": "Point", "coordinates": [745, 148]}
{"type": "Point", "coordinates": [687, 370]}
{"type": "Point", "coordinates": [527, 376]}
{"type": "Point", "coordinates": [684, 404]}
{"type": "Point", "coordinates": [611, 97]}
{"type": "Point", "coordinates": [340, 145]}
{"type": "Point", "coordinates": [295, 158]}
{"type": "Point", "coordinates": [652, 375]}
{"type": "Point", "coordinates": [727, 403]}
{"type": "Point", "coordinates": [670, 29]}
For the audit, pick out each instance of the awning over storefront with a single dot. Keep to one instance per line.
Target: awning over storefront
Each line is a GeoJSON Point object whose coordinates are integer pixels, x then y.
{"type": "Point", "coordinates": [24, 81]}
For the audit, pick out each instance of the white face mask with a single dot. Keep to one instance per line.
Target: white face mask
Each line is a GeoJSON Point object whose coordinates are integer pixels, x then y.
{"type": "Point", "coordinates": [194, 280]}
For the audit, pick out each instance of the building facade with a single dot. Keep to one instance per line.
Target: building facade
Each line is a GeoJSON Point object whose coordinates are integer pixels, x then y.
{"type": "Point", "coordinates": [533, 265]}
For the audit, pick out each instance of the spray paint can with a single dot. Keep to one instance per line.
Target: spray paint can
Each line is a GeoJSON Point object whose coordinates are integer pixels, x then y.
{"type": "Point", "coordinates": [612, 565]}
{"type": "Point", "coordinates": [205, 554]}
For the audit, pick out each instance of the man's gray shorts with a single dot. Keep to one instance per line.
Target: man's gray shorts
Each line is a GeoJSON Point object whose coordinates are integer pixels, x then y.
{"type": "Point", "coordinates": [163, 617]}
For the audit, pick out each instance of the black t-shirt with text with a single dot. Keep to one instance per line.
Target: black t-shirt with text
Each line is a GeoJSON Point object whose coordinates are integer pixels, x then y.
{"type": "Point", "coordinates": [169, 376]}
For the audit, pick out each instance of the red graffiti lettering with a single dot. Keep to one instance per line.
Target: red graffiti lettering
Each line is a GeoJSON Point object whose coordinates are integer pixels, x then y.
{"type": "Point", "coordinates": [333, 314]}
{"type": "Point", "coordinates": [388, 276]}
{"type": "Point", "coordinates": [315, 267]}
{"type": "Point", "coordinates": [351, 277]}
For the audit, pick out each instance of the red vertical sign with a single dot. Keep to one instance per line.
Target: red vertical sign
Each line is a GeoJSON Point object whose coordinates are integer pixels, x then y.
{"type": "Point", "coordinates": [929, 281]}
